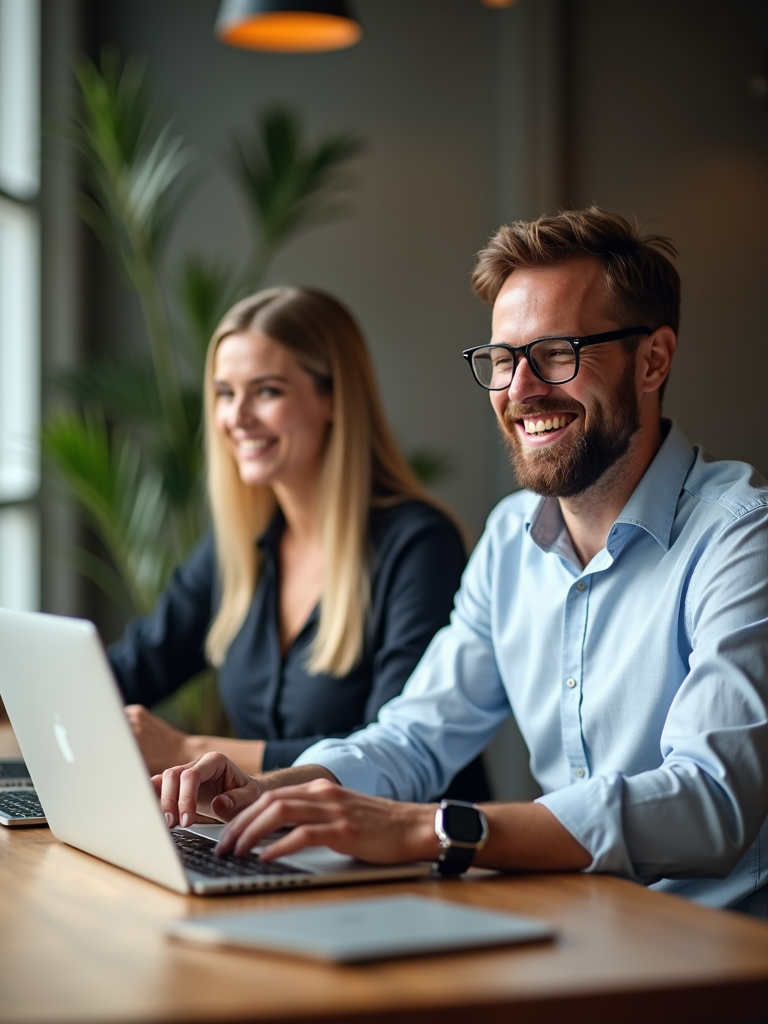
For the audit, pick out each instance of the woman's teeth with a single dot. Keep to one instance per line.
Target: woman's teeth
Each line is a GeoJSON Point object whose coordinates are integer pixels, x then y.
{"type": "Point", "coordinates": [550, 423]}
{"type": "Point", "coordinates": [256, 445]}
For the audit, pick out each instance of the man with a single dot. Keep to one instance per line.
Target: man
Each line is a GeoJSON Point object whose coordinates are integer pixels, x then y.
{"type": "Point", "coordinates": [618, 606]}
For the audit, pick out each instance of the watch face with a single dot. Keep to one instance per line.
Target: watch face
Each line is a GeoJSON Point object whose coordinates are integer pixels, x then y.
{"type": "Point", "coordinates": [462, 824]}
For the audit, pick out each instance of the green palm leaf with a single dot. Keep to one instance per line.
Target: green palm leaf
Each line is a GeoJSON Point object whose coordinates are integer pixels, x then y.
{"type": "Point", "coordinates": [130, 166]}
{"type": "Point", "coordinates": [290, 184]}
{"type": "Point", "coordinates": [123, 500]}
{"type": "Point", "coordinates": [126, 388]}
{"type": "Point", "coordinates": [205, 292]}
{"type": "Point", "coordinates": [130, 169]}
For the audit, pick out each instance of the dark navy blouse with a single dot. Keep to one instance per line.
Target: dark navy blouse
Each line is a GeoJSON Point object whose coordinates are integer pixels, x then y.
{"type": "Point", "coordinates": [417, 558]}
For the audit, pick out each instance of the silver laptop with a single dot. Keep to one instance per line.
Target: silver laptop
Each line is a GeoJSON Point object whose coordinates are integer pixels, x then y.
{"type": "Point", "coordinates": [67, 714]}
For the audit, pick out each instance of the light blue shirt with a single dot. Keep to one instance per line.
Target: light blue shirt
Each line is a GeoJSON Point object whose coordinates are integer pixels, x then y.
{"type": "Point", "coordinates": [639, 682]}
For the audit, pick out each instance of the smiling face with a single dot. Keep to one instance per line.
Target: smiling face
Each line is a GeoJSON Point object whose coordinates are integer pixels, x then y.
{"type": "Point", "coordinates": [270, 413]}
{"type": "Point", "coordinates": [563, 438]}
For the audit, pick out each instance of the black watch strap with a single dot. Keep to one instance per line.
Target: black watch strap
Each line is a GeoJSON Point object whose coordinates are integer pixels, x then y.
{"type": "Point", "coordinates": [462, 830]}
{"type": "Point", "coordinates": [455, 860]}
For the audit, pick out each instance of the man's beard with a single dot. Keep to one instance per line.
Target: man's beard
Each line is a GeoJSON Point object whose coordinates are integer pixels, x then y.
{"type": "Point", "coordinates": [573, 464]}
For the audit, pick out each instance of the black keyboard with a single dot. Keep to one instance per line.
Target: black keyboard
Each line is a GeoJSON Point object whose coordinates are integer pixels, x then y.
{"type": "Point", "coordinates": [197, 855]}
{"type": "Point", "coordinates": [20, 807]}
{"type": "Point", "coordinates": [13, 770]}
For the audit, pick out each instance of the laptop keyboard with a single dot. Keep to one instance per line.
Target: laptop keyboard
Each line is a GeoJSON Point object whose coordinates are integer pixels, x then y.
{"type": "Point", "coordinates": [20, 804]}
{"type": "Point", "coordinates": [197, 855]}
{"type": "Point", "coordinates": [12, 770]}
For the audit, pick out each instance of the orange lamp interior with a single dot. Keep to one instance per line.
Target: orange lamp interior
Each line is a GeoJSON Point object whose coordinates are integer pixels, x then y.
{"type": "Point", "coordinates": [292, 32]}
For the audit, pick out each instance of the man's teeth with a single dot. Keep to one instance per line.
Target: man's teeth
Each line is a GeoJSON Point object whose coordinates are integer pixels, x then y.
{"type": "Point", "coordinates": [256, 445]}
{"type": "Point", "coordinates": [550, 423]}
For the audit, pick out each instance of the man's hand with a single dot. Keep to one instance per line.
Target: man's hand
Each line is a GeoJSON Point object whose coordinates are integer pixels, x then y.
{"type": "Point", "coordinates": [323, 813]}
{"type": "Point", "coordinates": [212, 784]}
{"type": "Point", "coordinates": [160, 744]}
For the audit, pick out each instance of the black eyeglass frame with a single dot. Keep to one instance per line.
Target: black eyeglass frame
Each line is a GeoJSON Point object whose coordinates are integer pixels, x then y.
{"type": "Point", "coordinates": [577, 344]}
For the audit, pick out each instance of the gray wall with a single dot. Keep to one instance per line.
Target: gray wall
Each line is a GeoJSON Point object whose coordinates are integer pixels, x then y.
{"type": "Point", "coordinates": [665, 128]}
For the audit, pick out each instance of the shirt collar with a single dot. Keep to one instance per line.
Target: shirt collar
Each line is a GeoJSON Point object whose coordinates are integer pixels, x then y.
{"type": "Point", "coordinates": [545, 523]}
{"type": "Point", "coordinates": [652, 505]}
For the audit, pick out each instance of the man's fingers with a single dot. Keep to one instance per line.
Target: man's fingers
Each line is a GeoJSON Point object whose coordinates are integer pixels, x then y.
{"type": "Point", "coordinates": [169, 795]}
{"type": "Point", "coordinates": [250, 826]}
{"type": "Point", "coordinates": [180, 787]}
{"type": "Point", "coordinates": [133, 714]}
{"type": "Point", "coordinates": [300, 838]}
{"type": "Point", "coordinates": [322, 813]}
{"type": "Point", "coordinates": [190, 781]}
{"type": "Point", "coordinates": [228, 804]}
{"type": "Point", "coordinates": [200, 781]}
{"type": "Point", "coordinates": [276, 808]}
{"type": "Point", "coordinates": [271, 812]}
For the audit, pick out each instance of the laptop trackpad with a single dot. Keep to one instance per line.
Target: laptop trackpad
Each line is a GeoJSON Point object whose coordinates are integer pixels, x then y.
{"type": "Point", "coordinates": [313, 859]}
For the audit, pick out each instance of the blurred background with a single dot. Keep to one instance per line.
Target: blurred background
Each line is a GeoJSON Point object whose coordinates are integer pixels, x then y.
{"type": "Point", "coordinates": [470, 116]}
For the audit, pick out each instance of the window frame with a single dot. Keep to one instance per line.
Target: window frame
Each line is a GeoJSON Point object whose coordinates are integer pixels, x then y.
{"type": "Point", "coordinates": [20, 304]}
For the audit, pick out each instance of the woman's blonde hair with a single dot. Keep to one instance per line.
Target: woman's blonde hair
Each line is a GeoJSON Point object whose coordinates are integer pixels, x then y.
{"type": "Point", "coordinates": [363, 467]}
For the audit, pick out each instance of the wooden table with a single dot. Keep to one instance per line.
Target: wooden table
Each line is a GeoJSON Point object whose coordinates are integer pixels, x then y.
{"type": "Point", "coordinates": [83, 941]}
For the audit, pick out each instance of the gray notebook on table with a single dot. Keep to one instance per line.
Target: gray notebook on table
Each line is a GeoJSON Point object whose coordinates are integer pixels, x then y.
{"type": "Point", "coordinates": [356, 930]}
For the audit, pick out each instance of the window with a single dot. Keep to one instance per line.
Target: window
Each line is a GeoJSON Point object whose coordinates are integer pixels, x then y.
{"type": "Point", "coordinates": [19, 303]}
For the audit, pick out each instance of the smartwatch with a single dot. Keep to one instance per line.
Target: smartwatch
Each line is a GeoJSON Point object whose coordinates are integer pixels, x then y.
{"type": "Point", "coordinates": [462, 830]}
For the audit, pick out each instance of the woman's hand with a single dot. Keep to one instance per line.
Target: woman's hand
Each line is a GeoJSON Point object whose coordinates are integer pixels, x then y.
{"type": "Point", "coordinates": [161, 745]}
{"type": "Point", "coordinates": [212, 784]}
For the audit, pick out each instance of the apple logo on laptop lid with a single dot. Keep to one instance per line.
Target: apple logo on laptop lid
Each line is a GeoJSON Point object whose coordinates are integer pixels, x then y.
{"type": "Point", "coordinates": [63, 741]}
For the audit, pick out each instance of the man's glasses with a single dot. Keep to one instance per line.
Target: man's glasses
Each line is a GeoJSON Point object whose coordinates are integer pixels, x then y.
{"type": "Point", "coordinates": [553, 360]}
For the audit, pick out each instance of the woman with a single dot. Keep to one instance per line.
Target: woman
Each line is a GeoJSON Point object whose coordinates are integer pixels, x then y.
{"type": "Point", "coordinates": [329, 567]}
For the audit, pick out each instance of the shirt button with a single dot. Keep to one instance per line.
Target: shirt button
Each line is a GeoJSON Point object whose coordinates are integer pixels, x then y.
{"type": "Point", "coordinates": [580, 772]}
{"type": "Point", "coordinates": [581, 585]}
{"type": "Point", "coordinates": [570, 683]}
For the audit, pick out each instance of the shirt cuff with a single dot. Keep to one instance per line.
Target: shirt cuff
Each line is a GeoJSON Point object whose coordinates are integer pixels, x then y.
{"type": "Point", "coordinates": [344, 760]}
{"type": "Point", "coordinates": [592, 812]}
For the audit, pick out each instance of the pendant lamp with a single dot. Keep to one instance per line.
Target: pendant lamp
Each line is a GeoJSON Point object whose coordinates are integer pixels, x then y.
{"type": "Point", "coordinates": [288, 26]}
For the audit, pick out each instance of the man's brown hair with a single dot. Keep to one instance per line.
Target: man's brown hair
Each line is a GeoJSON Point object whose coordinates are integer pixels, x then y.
{"type": "Point", "coordinates": [641, 283]}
